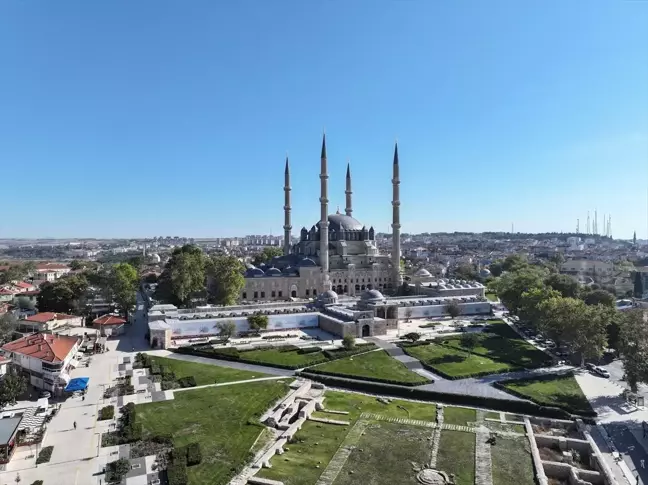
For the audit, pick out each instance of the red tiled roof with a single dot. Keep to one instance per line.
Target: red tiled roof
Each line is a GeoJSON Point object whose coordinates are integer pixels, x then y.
{"type": "Point", "coordinates": [23, 284]}
{"type": "Point", "coordinates": [50, 348]}
{"type": "Point", "coordinates": [48, 316]}
{"type": "Point", "coordinates": [108, 320]}
{"type": "Point", "coordinates": [5, 291]}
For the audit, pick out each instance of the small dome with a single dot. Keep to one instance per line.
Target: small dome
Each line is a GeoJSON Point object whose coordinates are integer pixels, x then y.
{"type": "Point", "coordinates": [372, 295]}
{"type": "Point", "coordinates": [484, 273]}
{"type": "Point", "coordinates": [254, 272]}
{"type": "Point", "coordinates": [423, 272]}
{"type": "Point", "coordinates": [329, 294]}
{"type": "Point", "coordinates": [289, 270]}
{"type": "Point", "coordinates": [273, 272]}
{"type": "Point", "coordinates": [327, 297]}
{"type": "Point", "coordinates": [307, 262]}
{"type": "Point", "coordinates": [263, 266]}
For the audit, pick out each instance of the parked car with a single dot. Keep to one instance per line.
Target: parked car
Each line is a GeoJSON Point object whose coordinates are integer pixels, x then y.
{"type": "Point", "coordinates": [46, 394]}
{"type": "Point", "coordinates": [602, 372]}
{"type": "Point", "coordinates": [590, 367]}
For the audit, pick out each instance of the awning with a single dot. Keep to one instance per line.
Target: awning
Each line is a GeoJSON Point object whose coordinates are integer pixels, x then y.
{"type": "Point", "coordinates": [74, 363]}
{"type": "Point", "coordinates": [77, 384]}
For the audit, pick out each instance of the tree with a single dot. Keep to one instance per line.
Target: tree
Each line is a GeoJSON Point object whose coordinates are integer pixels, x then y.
{"type": "Point", "coordinates": [412, 336]}
{"type": "Point", "coordinates": [599, 297]}
{"type": "Point", "coordinates": [258, 321]}
{"type": "Point", "coordinates": [65, 295]}
{"type": "Point", "coordinates": [266, 255]}
{"type": "Point", "coordinates": [529, 307]}
{"type": "Point", "coordinates": [348, 342]}
{"type": "Point", "coordinates": [565, 285]}
{"type": "Point", "coordinates": [11, 387]}
{"type": "Point", "coordinates": [408, 314]}
{"type": "Point", "coordinates": [514, 262]}
{"type": "Point", "coordinates": [136, 262]}
{"type": "Point", "coordinates": [226, 330]}
{"type": "Point", "coordinates": [15, 272]}
{"type": "Point", "coordinates": [638, 285]}
{"type": "Point", "coordinates": [496, 268]}
{"type": "Point", "coordinates": [634, 347]}
{"type": "Point", "coordinates": [76, 264]}
{"type": "Point", "coordinates": [122, 282]}
{"type": "Point", "coordinates": [466, 271]}
{"type": "Point", "coordinates": [8, 322]}
{"type": "Point", "coordinates": [25, 303]}
{"type": "Point", "coordinates": [453, 309]}
{"type": "Point", "coordinates": [469, 341]}
{"type": "Point", "coordinates": [225, 279]}
{"type": "Point", "coordinates": [183, 278]}
{"type": "Point", "coordinates": [511, 285]}
{"type": "Point", "coordinates": [581, 327]}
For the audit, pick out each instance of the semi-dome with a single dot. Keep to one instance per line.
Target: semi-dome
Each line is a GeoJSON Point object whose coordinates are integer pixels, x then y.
{"type": "Point", "coordinates": [372, 295]}
{"type": "Point", "coordinates": [273, 272]}
{"type": "Point", "coordinates": [307, 262]}
{"type": "Point", "coordinates": [254, 272]}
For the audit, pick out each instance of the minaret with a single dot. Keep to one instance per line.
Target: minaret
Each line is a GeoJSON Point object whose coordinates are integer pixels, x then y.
{"type": "Point", "coordinates": [323, 256]}
{"type": "Point", "coordinates": [397, 277]}
{"type": "Point", "coordinates": [287, 226]}
{"type": "Point", "coordinates": [348, 210]}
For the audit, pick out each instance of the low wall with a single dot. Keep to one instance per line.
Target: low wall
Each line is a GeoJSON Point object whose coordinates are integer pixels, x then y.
{"type": "Point", "coordinates": [564, 444]}
{"type": "Point", "coordinates": [475, 308]}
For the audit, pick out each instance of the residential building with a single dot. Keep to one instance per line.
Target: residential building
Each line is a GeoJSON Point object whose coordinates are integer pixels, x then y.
{"type": "Point", "coordinates": [48, 322]}
{"type": "Point", "coordinates": [109, 325]}
{"type": "Point", "coordinates": [587, 267]}
{"type": "Point", "coordinates": [51, 271]}
{"type": "Point", "coordinates": [44, 359]}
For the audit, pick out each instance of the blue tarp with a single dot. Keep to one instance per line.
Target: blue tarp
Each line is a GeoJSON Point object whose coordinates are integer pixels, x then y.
{"type": "Point", "coordinates": [77, 384]}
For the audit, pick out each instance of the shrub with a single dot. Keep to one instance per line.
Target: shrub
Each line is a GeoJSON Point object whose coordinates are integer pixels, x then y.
{"type": "Point", "coordinates": [189, 381]}
{"type": "Point", "coordinates": [44, 455]}
{"type": "Point", "coordinates": [348, 342]}
{"type": "Point", "coordinates": [37, 482]}
{"type": "Point", "coordinates": [414, 344]}
{"type": "Point", "coordinates": [156, 369]}
{"type": "Point", "coordinates": [342, 353]}
{"type": "Point", "coordinates": [412, 336]}
{"type": "Point", "coordinates": [194, 456]}
{"type": "Point", "coordinates": [106, 412]}
{"type": "Point", "coordinates": [166, 385]}
{"type": "Point", "coordinates": [309, 350]}
{"type": "Point", "coordinates": [177, 474]}
{"type": "Point", "coordinates": [116, 470]}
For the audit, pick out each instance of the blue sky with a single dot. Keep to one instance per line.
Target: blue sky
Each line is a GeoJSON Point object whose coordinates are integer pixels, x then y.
{"type": "Point", "coordinates": [122, 118]}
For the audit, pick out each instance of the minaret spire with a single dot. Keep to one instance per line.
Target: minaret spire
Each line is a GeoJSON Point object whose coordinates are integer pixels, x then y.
{"type": "Point", "coordinates": [287, 225]}
{"type": "Point", "coordinates": [396, 277]}
{"type": "Point", "coordinates": [323, 256]}
{"type": "Point", "coordinates": [348, 210]}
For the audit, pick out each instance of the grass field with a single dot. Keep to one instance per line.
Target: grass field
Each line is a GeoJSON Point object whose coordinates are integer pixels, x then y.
{"type": "Point", "coordinates": [561, 391]}
{"type": "Point", "coordinates": [221, 419]}
{"type": "Point", "coordinates": [376, 364]}
{"type": "Point", "coordinates": [455, 362]}
{"type": "Point", "coordinates": [460, 416]}
{"type": "Point", "coordinates": [491, 296]}
{"type": "Point", "coordinates": [512, 462]}
{"type": "Point", "coordinates": [205, 373]}
{"type": "Point", "coordinates": [457, 456]}
{"type": "Point", "coordinates": [274, 356]}
{"type": "Point", "coordinates": [384, 455]}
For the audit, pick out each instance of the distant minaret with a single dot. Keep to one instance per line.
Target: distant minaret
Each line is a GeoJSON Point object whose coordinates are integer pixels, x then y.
{"type": "Point", "coordinates": [595, 222]}
{"type": "Point", "coordinates": [348, 210]}
{"type": "Point", "coordinates": [323, 256]}
{"type": "Point", "coordinates": [287, 226]}
{"type": "Point", "coordinates": [577, 226]}
{"type": "Point", "coordinates": [396, 251]}
{"type": "Point", "coordinates": [588, 223]}
{"type": "Point", "coordinates": [634, 238]}
{"type": "Point", "coordinates": [609, 226]}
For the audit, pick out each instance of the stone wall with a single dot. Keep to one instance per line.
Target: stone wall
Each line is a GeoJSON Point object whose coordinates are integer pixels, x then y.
{"type": "Point", "coordinates": [475, 308]}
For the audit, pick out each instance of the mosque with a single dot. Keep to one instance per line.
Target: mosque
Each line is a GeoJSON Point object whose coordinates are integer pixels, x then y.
{"type": "Point", "coordinates": [338, 254]}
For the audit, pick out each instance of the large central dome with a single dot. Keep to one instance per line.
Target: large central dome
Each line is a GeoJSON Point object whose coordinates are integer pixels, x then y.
{"type": "Point", "coordinates": [341, 221]}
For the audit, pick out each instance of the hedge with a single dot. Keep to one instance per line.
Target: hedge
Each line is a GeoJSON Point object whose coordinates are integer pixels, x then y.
{"type": "Point", "coordinates": [188, 381]}
{"type": "Point", "coordinates": [516, 407]}
{"type": "Point", "coordinates": [373, 379]}
{"type": "Point", "coordinates": [547, 377]}
{"type": "Point", "coordinates": [342, 353]}
{"type": "Point", "coordinates": [117, 470]}
{"type": "Point", "coordinates": [414, 344]}
{"type": "Point", "coordinates": [194, 456]}
{"type": "Point", "coordinates": [45, 455]}
{"type": "Point", "coordinates": [287, 348]}
{"type": "Point", "coordinates": [177, 474]}
{"type": "Point", "coordinates": [37, 482]}
{"type": "Point", "coordinates": [106, 412]}
{"type": "Point", "coordinates": [309, 350]}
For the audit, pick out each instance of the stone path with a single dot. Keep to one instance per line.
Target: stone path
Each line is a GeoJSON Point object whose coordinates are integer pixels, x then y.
{"type": "Point", "coordinates": [342, 454]}
{"type": "Point", "coordinates": [436, 438]}
{"type": "Point", "coordinates": [412, 422]}
{"type": "Point", "coordinates": [458, 427]}
{"type": "Point", "coordinates": [483, 459]}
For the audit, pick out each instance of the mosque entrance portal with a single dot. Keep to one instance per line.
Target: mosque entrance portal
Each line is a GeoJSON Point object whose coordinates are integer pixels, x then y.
{"type": "Point", "coordinates": [366, 331]}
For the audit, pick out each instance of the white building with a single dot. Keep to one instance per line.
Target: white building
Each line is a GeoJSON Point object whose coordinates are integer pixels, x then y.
{"type": "Point", "coordinates": [51, 271]}
{"type": "Point", "coordinates": [48, 321]}
{"type": "Point", "coordinates": [44, 359]}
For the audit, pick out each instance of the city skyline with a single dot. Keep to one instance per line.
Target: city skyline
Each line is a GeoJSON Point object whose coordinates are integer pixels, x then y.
{"type": "Point", "coordinates": [505, 115]}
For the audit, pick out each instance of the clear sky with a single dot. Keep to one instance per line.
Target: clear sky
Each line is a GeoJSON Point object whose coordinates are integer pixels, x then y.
{"type": "Point", "coordinates": [141, 118]}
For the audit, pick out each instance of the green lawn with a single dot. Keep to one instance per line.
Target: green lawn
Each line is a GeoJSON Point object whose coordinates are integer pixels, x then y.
{"type": "Point", "coordinates": [455, 362]}
{"type": "Point", "coordinates": [491, 296]}
{"type": "Point", "coordinates": [512, 462]}
{"type": "Point", "coordinates": [384, 455]}
{"type": "Point", "coordinates": [460, 416]}
{"type": "Point", "coordinates": [221, 419]}
{"type": "Point", "coordinates": [205, 373]}
{"type": "Point", "coordinates": [357, 404]}
{"type": "Point", "coordinates": [376, 364]}
{"type": "Point", "coordinates": [561, 391]}
{"type": "Point", "coordinates": [274, 356]}
{"type": "Point", "coordinates": [457, 456]}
